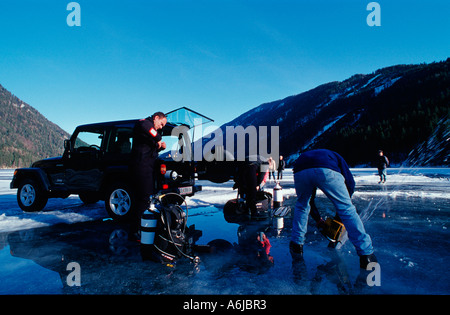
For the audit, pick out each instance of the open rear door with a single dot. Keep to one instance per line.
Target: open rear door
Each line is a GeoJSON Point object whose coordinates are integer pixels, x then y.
{"type": "Point", "coordinates": [187, 117]}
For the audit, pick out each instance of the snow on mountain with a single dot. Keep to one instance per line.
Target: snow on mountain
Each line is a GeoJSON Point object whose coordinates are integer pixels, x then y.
{"type": "Point", "coordinates": [394, 109]}
{"type": "Point", "coordinates": [435, 150]}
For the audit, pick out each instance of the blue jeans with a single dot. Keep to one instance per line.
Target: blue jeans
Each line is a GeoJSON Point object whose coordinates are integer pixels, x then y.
{"type": "Point", "coordinates": [333, 185]}
{"type": "Point", "coordinates": [382, 172]}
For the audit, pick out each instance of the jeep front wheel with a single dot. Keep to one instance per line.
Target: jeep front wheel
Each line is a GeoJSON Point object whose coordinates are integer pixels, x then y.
{"type": "Point", "coordinates": [30, 196]}
{"type": "Point", "coordinates": [119, 201]}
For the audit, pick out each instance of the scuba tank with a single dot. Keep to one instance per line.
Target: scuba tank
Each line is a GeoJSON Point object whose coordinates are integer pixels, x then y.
{"type": "Point", "coordinates": [149, 222]}
{"type": "Point", "coordinates": [277, 196]}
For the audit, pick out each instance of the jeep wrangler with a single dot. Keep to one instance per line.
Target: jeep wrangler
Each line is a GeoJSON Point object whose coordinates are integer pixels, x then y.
{"type": "Point", "coordinates": [94, 166]}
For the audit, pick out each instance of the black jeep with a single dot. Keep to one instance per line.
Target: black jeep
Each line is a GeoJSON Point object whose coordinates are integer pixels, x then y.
{"type": "Point", "coordinates": [95, 164]}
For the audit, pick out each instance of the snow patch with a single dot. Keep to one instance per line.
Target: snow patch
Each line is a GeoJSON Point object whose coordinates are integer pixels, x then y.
{"type": "Point", "coordinates": [324, 129]}
{"type": "Point", "coordinates": [380, 88]}
{"type": "Point", "coordinates": [370, 81]}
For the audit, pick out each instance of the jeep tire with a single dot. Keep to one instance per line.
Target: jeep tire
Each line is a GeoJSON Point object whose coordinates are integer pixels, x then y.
{"type": "Point", "coordinates": [31, 196]}
{"type": "Point", "coordinates": [119, 201]}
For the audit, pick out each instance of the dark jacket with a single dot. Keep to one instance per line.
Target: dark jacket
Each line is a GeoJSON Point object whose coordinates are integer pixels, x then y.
{"type": "Point", "coordinates": [382, 162]}
{"type": "Point", "coordinates": [281, 165]}
{"type": "Point", "coordinates": [145, 144]}
{"type": "Point", "coordinates": [323, 158]}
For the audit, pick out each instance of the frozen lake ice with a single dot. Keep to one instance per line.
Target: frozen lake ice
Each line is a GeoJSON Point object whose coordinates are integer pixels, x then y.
{"type": "Point", "coordinates": [407, 218]}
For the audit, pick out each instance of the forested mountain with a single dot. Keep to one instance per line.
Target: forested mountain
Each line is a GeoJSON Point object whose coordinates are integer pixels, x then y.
{"type": "Point", "coordinates": [25, 134]}
{"type": "Point", "coordinates": [396, 109]}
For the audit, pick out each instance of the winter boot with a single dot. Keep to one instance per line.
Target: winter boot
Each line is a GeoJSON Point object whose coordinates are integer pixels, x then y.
{"type": "Point", "coordinates": [296, 250]}
{"type": "Point", "coordinates": [364, 260]}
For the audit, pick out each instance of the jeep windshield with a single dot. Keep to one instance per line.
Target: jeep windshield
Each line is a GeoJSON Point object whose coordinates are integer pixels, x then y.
{"type": "Point", "coordinates": [88, 140]}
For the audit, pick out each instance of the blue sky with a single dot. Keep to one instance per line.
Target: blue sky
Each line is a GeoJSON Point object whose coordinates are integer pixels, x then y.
{"type": "Point", "coordinates": [129, 59]}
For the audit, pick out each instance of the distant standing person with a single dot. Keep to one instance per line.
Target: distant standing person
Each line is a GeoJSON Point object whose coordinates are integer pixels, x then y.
{"type": "Point", "coordinates": [271, 168]}
{"type": "Point", "coordinates": [382, 164]}
{"type": "Point", "coordinates": [281, 165]}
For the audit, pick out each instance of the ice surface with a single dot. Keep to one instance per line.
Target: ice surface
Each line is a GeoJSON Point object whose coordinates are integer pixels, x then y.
{"type": "Point", "coordinates": [407, 218]}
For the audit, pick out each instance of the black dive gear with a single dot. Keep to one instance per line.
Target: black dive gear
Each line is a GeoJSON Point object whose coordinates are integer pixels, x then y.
{"type": "Point", "coordinates": [172, 238]}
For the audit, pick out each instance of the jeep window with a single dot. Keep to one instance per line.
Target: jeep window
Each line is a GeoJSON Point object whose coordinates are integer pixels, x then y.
{"type": "Point", "coordinates": [88, 141]}
{"type": "Point", "coordinates": [171, 144]}
{"type": "Point", "coordinates": [174, 145]}
{"type": "Point", "coordinates": [121, 141]}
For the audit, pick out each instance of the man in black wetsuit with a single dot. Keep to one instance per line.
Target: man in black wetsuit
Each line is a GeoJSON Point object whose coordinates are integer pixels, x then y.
{"type": "Point", "coordinates": [146, 145]}
{"type": "Point", "coordinates": [250, 177]}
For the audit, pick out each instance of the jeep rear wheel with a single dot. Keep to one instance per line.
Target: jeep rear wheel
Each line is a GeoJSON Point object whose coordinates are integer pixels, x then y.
{"type": "Point", "coordinates": [119, 201]}
{"type": "Point", "coordinates": [30, 196]}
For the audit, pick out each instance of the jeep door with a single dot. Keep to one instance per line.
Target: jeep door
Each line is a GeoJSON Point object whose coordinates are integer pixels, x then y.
{"type": "Point", "coordinates": [118, 148]}
{"type": "Point", "coordinates": [84, 161]}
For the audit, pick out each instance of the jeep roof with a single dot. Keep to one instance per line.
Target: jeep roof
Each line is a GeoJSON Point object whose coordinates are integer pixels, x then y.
{"type": "Point", "coordinates": [177, 117]}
